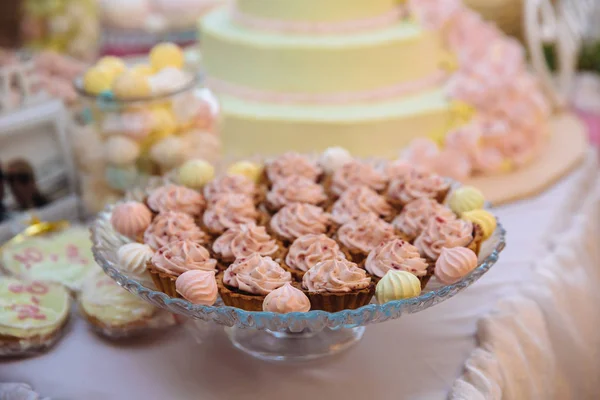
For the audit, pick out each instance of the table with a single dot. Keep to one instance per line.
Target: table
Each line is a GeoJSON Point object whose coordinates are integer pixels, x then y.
{"type": "Point", "coordinates": [416, 357]}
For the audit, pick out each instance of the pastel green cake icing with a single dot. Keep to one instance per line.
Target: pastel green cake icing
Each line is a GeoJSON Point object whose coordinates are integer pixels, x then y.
{"type": "Point", "coordinates": [304, 10]}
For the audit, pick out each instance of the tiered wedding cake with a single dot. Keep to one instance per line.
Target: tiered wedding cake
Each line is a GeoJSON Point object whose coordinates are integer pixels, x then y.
{"type": "Point", "coordinates": [370, 76]}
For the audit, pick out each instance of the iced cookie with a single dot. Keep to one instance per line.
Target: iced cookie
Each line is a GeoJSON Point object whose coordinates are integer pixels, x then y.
{"type": "Point", "coordinates": [114, 312]}
{"type": "Point", "coordinates": [32, 315]}
{"type": "Point", "coordinates": [64, 257]}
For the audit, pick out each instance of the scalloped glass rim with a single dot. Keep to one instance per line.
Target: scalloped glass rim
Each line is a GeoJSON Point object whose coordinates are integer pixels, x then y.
{"type": "Point", "coordinates": [106, 241]}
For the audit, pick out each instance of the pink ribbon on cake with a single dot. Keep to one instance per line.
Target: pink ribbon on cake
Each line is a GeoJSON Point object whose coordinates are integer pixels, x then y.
{"type": "Point", "coordinates": [398, 90]}
{"type": "Point", "coordinates": [306, 27]}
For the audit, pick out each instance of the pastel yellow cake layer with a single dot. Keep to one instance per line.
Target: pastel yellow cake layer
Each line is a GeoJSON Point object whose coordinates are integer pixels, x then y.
{"type": "Point", "coordinates": [299, 63]}
{"type": "Point", "coordinates": [377, 129]}
{"type": "Point", "coordinates": [304, 10]}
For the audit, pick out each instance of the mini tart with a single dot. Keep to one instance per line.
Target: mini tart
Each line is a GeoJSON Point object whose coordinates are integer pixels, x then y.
{"type": "Point", "coordinates": [415, 215]}
{"type": "Point", "coordinates": [34, 315]}
{"type": "Point", "coordinates": [292, 164]}
{"type": "Point", "coordinates": [359, 200]}
{"type": "Point", "coordinates": [360, 236]}
{"type": "Point", "coordinates": [416, 185]}
{"type": "Point", "coordinates": [176, 198]}
{"type": "Point", "coordinates": [355, 173]}
{"type": "Point", "coordinates": [298, 219]}
{"type": "Point", "coordinates": [320, 247]}
{"type": "Point", "coordinates": [230, 210]}
{"type": "Point", "coordinates": [237, 184]}
{"type": "Point", "coordinates": [354, 287]}
{"type": "Point", "coordinates": [294, 189]}
{"type": "Point", "coordinates": [397, 255]}
{"type": "Point", "coordinates": [246, 283]}
{"type": "Point", "coordinates": [111, 310]}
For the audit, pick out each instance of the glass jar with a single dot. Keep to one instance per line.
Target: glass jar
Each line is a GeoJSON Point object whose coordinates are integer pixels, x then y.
{"type": "Point", "coordinates": [65, 26]}
{"type": "Point", "coordinates": [145, 137]}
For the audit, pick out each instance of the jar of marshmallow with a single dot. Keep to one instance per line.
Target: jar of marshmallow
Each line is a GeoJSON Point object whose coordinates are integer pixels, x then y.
{"type": "Point", "coordinates": [150, 117]}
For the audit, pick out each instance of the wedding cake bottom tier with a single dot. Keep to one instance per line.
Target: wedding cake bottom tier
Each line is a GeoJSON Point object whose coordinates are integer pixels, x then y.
{"type": "Point", "coordinates": [365, 129]}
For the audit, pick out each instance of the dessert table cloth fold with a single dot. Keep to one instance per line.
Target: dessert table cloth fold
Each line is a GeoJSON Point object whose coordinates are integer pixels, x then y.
{"type": "Point", "coordinates": [531, 318]}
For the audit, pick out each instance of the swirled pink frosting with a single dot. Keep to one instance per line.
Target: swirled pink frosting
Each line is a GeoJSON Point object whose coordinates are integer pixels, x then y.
{"type": "Point", "coordinates": [198, 287]}
{"type": "Point", "coordinates": [359, 200]}
{"type": "Point", "coordinates": [297, 219]}
{"type": "Point", "coordinates": [398, 169]}
{"type": "Point", "coordinates": [237, 184]}
{"type": "Point", "coordinates": [417, 185]}
{"type": "Point", "coordinates": [131, 218]}
{"type": "Point", "coordinates": [295, 189]}
{"type": "Point", "coordinates": [357, 173]}
{"type": "Point", "coordinates": [256, 275]}
{"type": "Point", "coordinates": [454, 263]}
{"type": "Point", "coordinates": [395, 255]}
{"type": "Point", "coordinates": [308, 250]}
{"type": "Point", "coordinates": [177, 198]}
{"type": "Point", "coordinates": [171, 226]}
{"type": "Point", "coordinates": [290, 164]}
{"type": "Point", "coordinates": [364, 233]}
{"type": "Point", "coordinates": [244, 240]}
{"type": "Point", "coordinates": [415, 215]}
{"type": "Point", "coordinates": [183, 255]}
{"type": "Point", "coordinates": [335, 276]}
{"type": "Point", "coordinates": [286, 299]}
{"type": "Point", "coordinates": [229, 210]}
{"type": "Point", "coordinates": [440, 233]}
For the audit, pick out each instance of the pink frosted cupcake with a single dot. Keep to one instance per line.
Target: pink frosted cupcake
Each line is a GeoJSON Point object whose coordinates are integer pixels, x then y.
{"type": "Point", "coordinates": [176, 198]}
{"type": "Point", "coordinates": [295, 189]}
{"type": "Point", "coordinates": [398, 255]}
{"type": "Point", "coordinates": [356, 173]}
{"type": "Point", "coordinates": [228, 211]}
{"type": "Point", "coordinates": [417, 185]}
{"type": "Point", "coordinates": [398, 169]}
{"type": "Point", "coordinates": [309, 250]}
{"type": "Point", "coordinates": [131, 219]}
{"type": "Point", "coordinates": [414, 217]}
{"type": "Point", "coordinates": [336, 285]}
{"type": "Point", "coordinates": [174, 259]}
{"type": "Point", "coordinates": [447, 233]}
{"type": "Point", "coordinates": [236, 184]}
{"type": "Point", "coordinates": [358, 237]}
{"type": "Point", "coordinates": [247, 281]}
{"type": "Point", "coordinates": [244, 240]}
{"type": "Point", "coordinates": [298, 219]}
{"type": "Point", "coordinates": [359, 200]}
{"type": "Point", "coordinates": [292, 164]}
{"type": "Point", "coordinates": [172, 226]}
{"type": "Point", "coordinates": [454, 263]}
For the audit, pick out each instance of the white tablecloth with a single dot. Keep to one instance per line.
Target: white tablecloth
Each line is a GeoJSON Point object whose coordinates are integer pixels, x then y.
{"type": "Point", "coordinates": [416, 357]}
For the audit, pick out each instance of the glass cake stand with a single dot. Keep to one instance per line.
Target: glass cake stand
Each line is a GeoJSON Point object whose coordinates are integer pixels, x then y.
{"type": "Point", "coordinates": [284, 337]}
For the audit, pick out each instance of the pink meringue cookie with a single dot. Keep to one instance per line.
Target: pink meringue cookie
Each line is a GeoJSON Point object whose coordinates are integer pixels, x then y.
{"type": "Point", "coordinates": [131, 219]}
{"type": "Point", "coordinates": [454, 263]}
{"type": "Point", "coordinates": [415, 216]}
{"type": "Point", "coordinates": [363, 234]}
{"type": "Point", "coordinates": [244, 240]}
{"type": "Point", "coordinates": [309, 250]}
{"type": "Point", "coordinates": [357, 173]}
{"type": "Point", "coordinates": [172, 226]}
{"type": "Point", "coordinates": [335, 276]}
{"type": "Point", "coordinates": [295, 189]}
{"type": "Point", "coordinates": [184, 255]}
{"type": "Point", "coordinates": [198, 287]}
{"type": "Point", "coordinates": [441, 233]}
{"type": "Point", "coordinates": [256, 274]}
{"type": "Point", "coordinates": [358, 200]}
{"type": "Point", "coordinates": [236, 184]}
{"type": "Point", "coordinates": [176, 198]}
{"type": "Point", "coordinates": [298, 219]}
{"type": "Point", "coordinates": [229, 210]}
{"type": "Point", "coordinates": [286, 299]}
{"type": "Point", "coordinates": [292, 164]}
{"type": "Point", "coordinates": [398, 255]}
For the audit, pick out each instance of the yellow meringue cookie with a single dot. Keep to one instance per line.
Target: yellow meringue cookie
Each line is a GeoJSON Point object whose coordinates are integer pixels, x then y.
{"type": "Point", "coordinates": [397, 285]}
{"type": "Point", "coordinates": [466, 198]}
{"type": "Point", "coordinates": [97, 80]}
{"type": "Point", "coordinates": [166, 55]}
{"type": "Point", "coordinates": [142, 69]}
{"type": "Point", "coordinates": [163, 121]}
{"type": "Point", "coordinates": [115, 65]}
{"type": "Point", "coordinates": [196, 173]}
{"type": "Point", "coordinates": [248, 169]}
{"type": "Point", "coordinates": [485, 219]}
{"type": "Point", "coordinates": [130, 85]}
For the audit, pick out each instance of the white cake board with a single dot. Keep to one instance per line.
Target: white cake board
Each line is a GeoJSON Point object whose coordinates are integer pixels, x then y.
{"type": "Point", "coordinates": [565, 151]}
